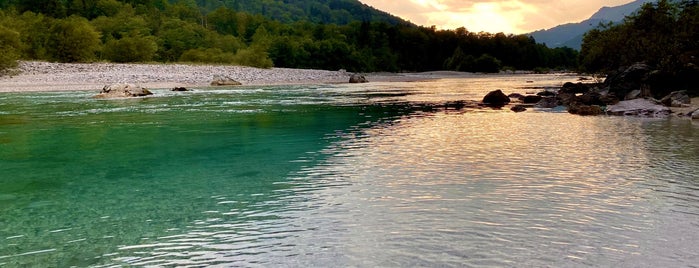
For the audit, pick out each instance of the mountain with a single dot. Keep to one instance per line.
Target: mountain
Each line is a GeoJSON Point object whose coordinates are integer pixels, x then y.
{"type": "Point", "coordinates": [571, 34]}
{"type": "Point", "coordinates": [318, 11]}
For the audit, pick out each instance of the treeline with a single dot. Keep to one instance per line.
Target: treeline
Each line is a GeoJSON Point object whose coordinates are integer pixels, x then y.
{"type": "Point", "coordinates": [157, 30]}
{"type": "Point", "coordinates": [664, 35]}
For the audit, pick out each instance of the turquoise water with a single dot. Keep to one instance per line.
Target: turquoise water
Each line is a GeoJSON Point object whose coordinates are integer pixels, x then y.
{"type": "Point", "coordinates": [340, 175]}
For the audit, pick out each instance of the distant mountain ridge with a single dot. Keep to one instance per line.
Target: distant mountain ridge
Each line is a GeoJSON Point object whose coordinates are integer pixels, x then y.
{"type": "Point", "coordinates": [317, 11]}
{"type": "Point", "coordinates": [571, 34]}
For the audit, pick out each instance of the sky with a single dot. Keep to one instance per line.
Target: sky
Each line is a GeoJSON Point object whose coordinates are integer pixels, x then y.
{"type": "Point", "coordinates": [507, 16]}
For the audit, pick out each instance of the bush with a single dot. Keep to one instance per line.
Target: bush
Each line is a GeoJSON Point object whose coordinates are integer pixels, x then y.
{"type": "Point", "coordinates": [211, 55]}
{"type": "Point", "coordinates": [254, 57]}
{"type": "Point", "coordinates": [9, 43]}
{"type": "Point", "coordinates": [73, 40]}
{"type": "Point", "coordinates": [131, 49]}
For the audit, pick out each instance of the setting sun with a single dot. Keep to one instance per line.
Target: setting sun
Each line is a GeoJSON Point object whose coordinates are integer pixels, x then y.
{"type": "Point", "coordinates": [511, 16]}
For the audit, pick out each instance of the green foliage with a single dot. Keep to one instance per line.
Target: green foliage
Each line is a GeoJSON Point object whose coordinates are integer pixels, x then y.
{"type": "Point", "coordinates": [663, 35]}
{"type": "Point", "coordinates": [72, 39]}
{"type": "Point", "coordinates": [130, 49]}
{"type": "Point", "coordinates": [9, 44]}
{"type": "Point", "coordinates": [234, 32]}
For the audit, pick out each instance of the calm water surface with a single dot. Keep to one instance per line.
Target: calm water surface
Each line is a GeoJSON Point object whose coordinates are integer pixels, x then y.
{"type": "Point", "coordinates": [341, 175]}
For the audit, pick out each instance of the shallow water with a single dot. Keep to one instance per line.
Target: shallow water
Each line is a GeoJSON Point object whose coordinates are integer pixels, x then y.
{"type": "Point", "coordinates": [341, 175]}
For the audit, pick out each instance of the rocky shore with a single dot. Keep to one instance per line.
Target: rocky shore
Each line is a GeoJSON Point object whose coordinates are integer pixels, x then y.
{"type": "Point", "coordinates": [47, 76]}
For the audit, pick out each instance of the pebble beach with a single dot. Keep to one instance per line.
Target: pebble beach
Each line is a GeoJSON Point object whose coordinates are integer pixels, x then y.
{"type": "Point", "coordinates": [46, 76]}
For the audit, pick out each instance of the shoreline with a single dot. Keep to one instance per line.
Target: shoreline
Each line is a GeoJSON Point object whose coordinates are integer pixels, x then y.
{"type": "Point", "coordinates": [38, 76]}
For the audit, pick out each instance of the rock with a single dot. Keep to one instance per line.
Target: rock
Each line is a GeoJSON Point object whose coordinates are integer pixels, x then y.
{"type": "Point", "coordinates": [496, 99]}
{"type": "Point", "coordinates": [531, 99]}
{"type": "Point", "coordinates": [547, 102]}
{"type": "Point", "coordinates": [695, 114]}
{"type": "Point", "coordinates": [122, 90]}
{"type": "Point", "coordinates": [583, 109]}
{"type": "Point", "coordinates": [515, 96]}
{"type": "Point", "coordinates": [357, 78]}
{"type": "Point", "coordinates": [676, 99]}
{"type": "Point", "coordinates": [638, 107]}
{"type": "Point", "coordinates": [179, 89]}
{"type": "Point", "coordinates": [546, 93]}
{"type": "Point", "coordinates": [629, 79]}
{"type": "Point", "coordinates": [633, 94]}
{"type": "Point", "coordinates": [570, 87]}
{"type": "Point", "coordinates": [518, 108]}
{"type": "Point", "coordinates": [565, 98]}
{"type": "Point", "coordinates": [221, 80]}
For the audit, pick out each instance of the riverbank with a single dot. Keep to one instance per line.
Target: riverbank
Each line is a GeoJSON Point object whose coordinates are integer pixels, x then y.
{"type": "Point", "coordinates": [33, 76]}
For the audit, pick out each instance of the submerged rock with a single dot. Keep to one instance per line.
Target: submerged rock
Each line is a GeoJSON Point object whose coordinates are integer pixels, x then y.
{"type": "Point", "coordinates": [638, 107]}
{"type": "Point", "coordinates": [584, 109]}
{"type": "Point", "coordinates": [547, 102]}
{"type": "Point", "coordinates": [179, 89]}
{"type": "Point", "coordinates": [695, 114]}
{"type": "Point", "coordinates": [518, 108]}
{"type": "Point", "coordinates": [221, 80]}
{"type": "Point", "coordinates": [122, 90]}
{"type": "Point", "coordinates": [357, 78]}
{"type": "Point", "coordinates": [496, 99]}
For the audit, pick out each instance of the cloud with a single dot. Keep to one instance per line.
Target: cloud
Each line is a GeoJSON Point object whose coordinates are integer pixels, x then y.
{"type": "Point", "coordinates": [509, 16]}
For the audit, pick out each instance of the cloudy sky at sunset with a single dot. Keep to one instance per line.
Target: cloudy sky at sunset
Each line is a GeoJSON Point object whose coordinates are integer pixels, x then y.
{"type": "Point", "coordinates": [508, 16]}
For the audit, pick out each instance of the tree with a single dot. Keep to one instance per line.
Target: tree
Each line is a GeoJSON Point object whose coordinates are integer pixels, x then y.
{"type": "Point", "coordinates": [131, 49]}
{"type": "Point", "coordinates": [9, 44]}
{"type": "Point", "coordinates": [73, 39]}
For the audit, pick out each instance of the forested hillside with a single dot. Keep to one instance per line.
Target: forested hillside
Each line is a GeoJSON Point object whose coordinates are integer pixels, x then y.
{"type": "Point", "coordinates": [220, 32]}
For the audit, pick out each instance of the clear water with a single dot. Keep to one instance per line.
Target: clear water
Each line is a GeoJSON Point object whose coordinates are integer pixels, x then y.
{"type": "Point", "coordinates": [341, 175]}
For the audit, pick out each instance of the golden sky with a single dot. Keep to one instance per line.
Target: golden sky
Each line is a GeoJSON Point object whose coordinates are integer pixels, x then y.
{"type": "Point", "coordinates": [508, 16]}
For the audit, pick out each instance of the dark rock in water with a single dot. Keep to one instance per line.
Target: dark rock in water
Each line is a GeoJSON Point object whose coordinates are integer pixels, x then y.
{"type": "Point", "coordinates": [570, 87]}
{"type": "Point", "coordinates": [676, 99]}
{"type": "Point", "coordinates": [695, 114]}
{"type": "Point", "coordinates": [625, 80]}
{"type": "Point", "coordinates": [515, 96]}
{"type": "Point", "coordinates": [221, 80]}
{"type": "Point", "coordinates": [122, 90]}
{"type": "Point", "coordinates": [608, 99]}
{"type": "Point", "coordinates": [583, 109]}
{"type": "Point", "coordinates": [565, 98]}
{"type": "Point", "coordinates": [357, 78]}
{"type": "Point", "coordinates": [531, 99]}
{"type": "Point", "coordinates": [546, 93]}
{"type": "Point", "coordinates": [518, 108]}
{"type": "Point", "coordinates": [638, 107]}
{"type": "Point", "coordinates": [496, 99]}
{"type": "Point", "coordinates": [547, 102]}
{"type": "Point", "coordinates": [179, 89]}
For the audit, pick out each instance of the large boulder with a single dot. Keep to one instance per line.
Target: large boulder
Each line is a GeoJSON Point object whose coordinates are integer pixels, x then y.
{"type": "Point", "coordinates": [123, 90]}
{"type": "Point", "coordinates": [531, 99]}
{"type": "Point", "coordinates": [222, 80]}
{"type": "Point", "coordinates": [496, 98]}
{"type": "Point", "coordinates": [357, 78]}
{"type": "Point", "coordinates": [626, 80]}
{"type": "Point", "coordinates": [638, 107]}
{"type": "Point", "coordinates": [676, 99]}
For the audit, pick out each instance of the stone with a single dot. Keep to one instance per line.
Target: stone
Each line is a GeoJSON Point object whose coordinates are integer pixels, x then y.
{"type": "Point", "coordinates": [695, 114]}
{"type": "Point", "coordinates": [676, 99]}
{"type": "Point", "coordinates": [221, 80]}
{"type": "Point", "coordinates": [625, 80]}
{"type": "Point", "coordinates": [496, 99]}
{"type": "Point", "coordinates": [531, 99]}
{"type": "Point", "coordinates": [583, 109]}
{"type": "Point", "coordinates": [515, 96]}
{"type": "Point", "coordinates": [357, 78]}
{"type": "Point", "coordinates": [546, 93]}
{"type": "Point", "coordinates": [638, 107]}
{"type": "Point", "coordinates": [547, 102]}
{"type": "Point", "coordinates": [123, 90]}
{"type": "Point", "coordinates": [179, 89]}
{"type": "Point", "coordinates": [518, 108]}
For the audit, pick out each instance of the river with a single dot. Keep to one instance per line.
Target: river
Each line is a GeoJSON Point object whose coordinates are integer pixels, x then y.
{"type": "Point", "coordinates": [341, 175]}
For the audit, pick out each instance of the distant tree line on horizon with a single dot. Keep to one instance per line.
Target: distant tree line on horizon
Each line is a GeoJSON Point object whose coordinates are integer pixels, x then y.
{"type": "Point", "coordinates": [183, 31]}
